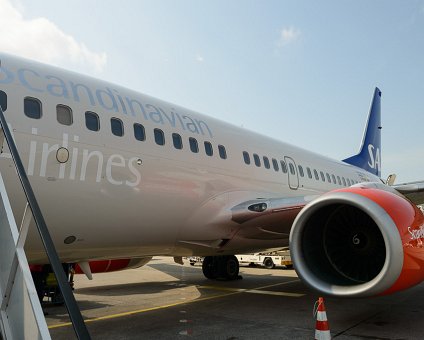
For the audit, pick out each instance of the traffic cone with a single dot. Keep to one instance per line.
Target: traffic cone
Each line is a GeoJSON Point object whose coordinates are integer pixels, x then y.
{"type": "Point", "coordinates": [322, 331]}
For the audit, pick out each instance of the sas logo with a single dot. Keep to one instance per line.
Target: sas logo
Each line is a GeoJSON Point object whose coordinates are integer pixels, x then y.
{"type": "Point", "coordinates": [416, 233]}
{"type": "Point", "coordinates": [375, 156]}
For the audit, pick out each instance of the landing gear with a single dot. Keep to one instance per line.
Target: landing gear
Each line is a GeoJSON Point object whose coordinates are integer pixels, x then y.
{"type": "Point", "coordinates": [221, 267]}
{"type": "Point", "coordinates": [46, 284]}
{"type": "Point", "coordinates": [210, 267]}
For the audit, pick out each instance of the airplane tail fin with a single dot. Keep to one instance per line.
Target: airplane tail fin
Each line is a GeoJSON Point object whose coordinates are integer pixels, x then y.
{"type": "Point", "coordinates": [369, 156]}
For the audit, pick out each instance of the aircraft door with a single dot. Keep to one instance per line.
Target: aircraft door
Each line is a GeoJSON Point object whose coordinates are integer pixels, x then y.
{"type": "Point", "coordinates": [292, 173]}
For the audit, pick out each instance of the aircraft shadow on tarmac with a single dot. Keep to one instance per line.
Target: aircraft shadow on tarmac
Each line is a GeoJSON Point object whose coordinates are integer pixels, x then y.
{"type": "Point", "coordinates": [142, 288]}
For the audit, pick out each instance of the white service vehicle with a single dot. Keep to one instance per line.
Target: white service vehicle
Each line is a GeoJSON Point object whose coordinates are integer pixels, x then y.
{"type": "Point", "coordinates": [268, 259]}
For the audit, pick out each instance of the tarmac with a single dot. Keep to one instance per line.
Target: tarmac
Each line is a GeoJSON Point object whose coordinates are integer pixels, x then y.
{"type": "Point", "coordinates": [165, 300]}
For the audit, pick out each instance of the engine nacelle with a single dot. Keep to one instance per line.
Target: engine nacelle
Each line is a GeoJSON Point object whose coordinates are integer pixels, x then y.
{"type": "Point", "coordinates": [359, 241]}
{"type": "Point", "coordinates": [103, 266]}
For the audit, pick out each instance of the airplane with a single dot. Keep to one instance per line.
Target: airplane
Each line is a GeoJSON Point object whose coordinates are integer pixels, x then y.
{"type": "Point", "coordinates": [122, 177]}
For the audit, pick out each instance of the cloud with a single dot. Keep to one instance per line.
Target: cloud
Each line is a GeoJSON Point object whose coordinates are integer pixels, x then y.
{"type": "Point", "coordinates": [287, 36]}
{"type": "Point", "coordinates": [40, 39]}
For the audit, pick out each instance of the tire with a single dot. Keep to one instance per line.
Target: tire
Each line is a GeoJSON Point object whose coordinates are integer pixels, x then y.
{"type": "Point", "coordinates": [268, 263]}
{"type": "Point", "coordinates": [221, 267]}
{"type": "Point", "coordinates": [230, 267]}
{"type": "Point", "coordinates": [210, 268]}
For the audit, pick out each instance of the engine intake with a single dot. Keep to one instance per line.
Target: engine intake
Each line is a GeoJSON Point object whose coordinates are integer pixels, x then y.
{"type": "Point", "coordinates": [349, 242]}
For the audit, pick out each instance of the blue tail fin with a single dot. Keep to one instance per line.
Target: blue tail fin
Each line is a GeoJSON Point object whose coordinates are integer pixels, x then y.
{"type": "Point", "coordinates": [369, 156]}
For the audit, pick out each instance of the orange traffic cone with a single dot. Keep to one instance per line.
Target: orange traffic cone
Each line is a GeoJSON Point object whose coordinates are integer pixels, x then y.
{"type": "Point", "coordinates": [322, 331]}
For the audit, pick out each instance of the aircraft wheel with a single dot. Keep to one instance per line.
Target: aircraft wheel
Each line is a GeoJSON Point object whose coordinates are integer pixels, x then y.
{"type": "Point", "coordinates": [210, 267]}
{"type": "Point", "coordinates": [268, 263]}
{"type": "Point", "coordinates": [229, 267]}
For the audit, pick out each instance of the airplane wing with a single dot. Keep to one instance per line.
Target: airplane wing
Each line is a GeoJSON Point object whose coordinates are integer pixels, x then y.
{"type": "Point", "coordinates": [414, 191]}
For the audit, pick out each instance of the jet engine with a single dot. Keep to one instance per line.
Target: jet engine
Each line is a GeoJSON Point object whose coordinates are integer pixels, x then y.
{"type": "Point", "coordinates": [359, 241]}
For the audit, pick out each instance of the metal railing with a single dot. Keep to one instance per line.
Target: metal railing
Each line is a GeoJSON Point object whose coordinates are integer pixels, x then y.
{"type": "Point", "coordinates": [69, 299]}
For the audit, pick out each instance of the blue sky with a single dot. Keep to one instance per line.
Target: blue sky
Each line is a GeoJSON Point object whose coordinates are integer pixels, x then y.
{"type": "Point", "coordinates": [299, 71]}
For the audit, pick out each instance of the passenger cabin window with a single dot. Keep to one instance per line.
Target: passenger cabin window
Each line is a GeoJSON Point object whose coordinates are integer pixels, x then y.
{"type": "Point", "coordinates": [348, 181]}
{"type": "Point", "coordinates": [3, 100]}
{"type": "Point", "coordinates": [32, 108]}
{"type": "Point", "coordinates": [338, 180]}
{"type": "Point", "coordinates": [257, 160]}
{"type": "Point", "coordinates": [139, 132]}
{"type": "Point", "coordinates": [334, 179]}
{"type": "Point", "coordinates": [344, 181]}
{"type": "Point", "coordinates": [159, 137]}
{"type": "Point", "coordinates": [117, 127]}
{"type": "Point", "coordinates": [64, 114]}
{"type": "Point", "coordinates": [266, 162]}
{"type": "Point", "coordinates": [177, 141]}
{"type": "Point", "coordinates": [222, 151]}
{"type": "Point", "coordinates": [309, 172]}
{"type": "Point", "coordinates": [301, 171]}
{"type": "Point", "coordinates": [193, 145]}
{"type": "Point", "coordinates": [328, 177]}
{"type": "Point", "coordinates": [246, 157]}
{"type": "Point", "coordinates": [322, 176]}
{"type": "Point", "coordinates": [316, 175]}
{"type": "Point", "coordinates": [92, 121]}
{"type": "Point", "coordinates": [283, 166]}
{"type": "Point", "coordinates": [275, 164]}
{"type": "Point", "coordinates": [208, 148]}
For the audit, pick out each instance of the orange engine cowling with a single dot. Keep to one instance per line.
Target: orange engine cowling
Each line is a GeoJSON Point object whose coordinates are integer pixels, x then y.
{"type": "Point", "coordinates": [359, 241]}
{"type": "Point", "coordinates": [103, 266]}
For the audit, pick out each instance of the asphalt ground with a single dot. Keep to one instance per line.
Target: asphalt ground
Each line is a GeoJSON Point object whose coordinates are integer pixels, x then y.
{"type": "Point", "coordinates": [164, 300]}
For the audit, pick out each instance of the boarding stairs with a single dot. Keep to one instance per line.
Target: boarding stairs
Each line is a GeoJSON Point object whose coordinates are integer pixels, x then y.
{"type": "Point", "coordinates": [21, 315]}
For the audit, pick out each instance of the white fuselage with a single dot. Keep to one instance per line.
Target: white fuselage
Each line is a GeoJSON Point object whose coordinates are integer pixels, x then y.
{"type": "Point", "coordinates": [121, 197]}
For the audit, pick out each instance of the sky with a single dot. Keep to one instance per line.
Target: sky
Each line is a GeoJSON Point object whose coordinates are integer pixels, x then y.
{"type": "Point", "coordinates": [299, 71]}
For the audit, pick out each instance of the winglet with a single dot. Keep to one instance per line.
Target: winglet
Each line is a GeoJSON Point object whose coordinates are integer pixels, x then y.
{"type": "Point", "coordinates": [369, 156]}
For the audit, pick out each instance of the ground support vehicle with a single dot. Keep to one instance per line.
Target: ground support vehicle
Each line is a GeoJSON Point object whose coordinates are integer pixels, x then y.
{"type": "Point", "coordinates": [268, 259]}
